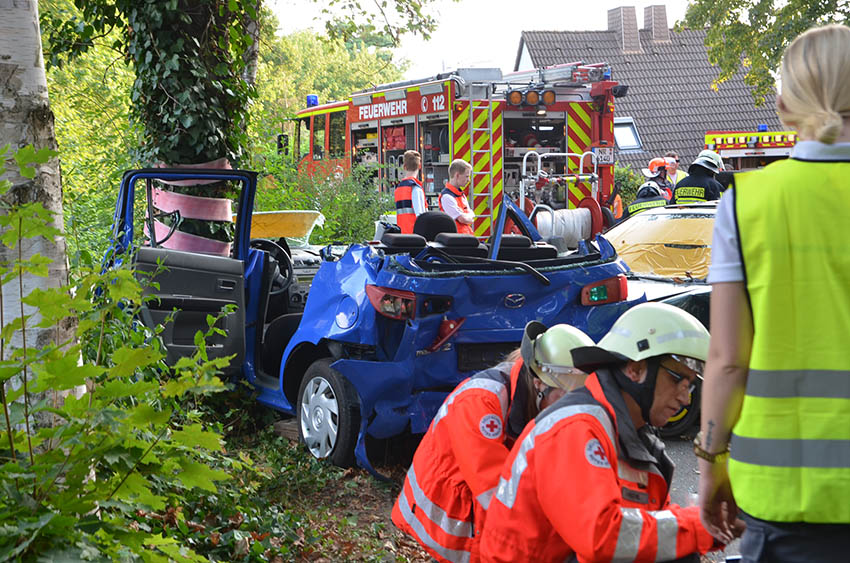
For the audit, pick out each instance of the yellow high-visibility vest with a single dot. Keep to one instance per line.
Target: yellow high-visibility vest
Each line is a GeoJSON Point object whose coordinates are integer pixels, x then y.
{"type": "Point", "coordinates": [790, 458]}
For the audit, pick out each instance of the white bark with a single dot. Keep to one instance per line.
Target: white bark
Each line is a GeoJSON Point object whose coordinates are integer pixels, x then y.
{"type": "Point", "coordinates": [26, 119]}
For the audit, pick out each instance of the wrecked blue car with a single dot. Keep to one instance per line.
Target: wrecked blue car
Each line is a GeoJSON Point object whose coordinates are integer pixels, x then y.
{"type": "Point", "coordinates": [389, 328]}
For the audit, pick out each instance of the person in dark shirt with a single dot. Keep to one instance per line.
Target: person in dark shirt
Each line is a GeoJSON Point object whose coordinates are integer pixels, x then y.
{"type": "Point", "coordinates": [649, 195]}
{"type": "Point", "coordinates": [700, 184]}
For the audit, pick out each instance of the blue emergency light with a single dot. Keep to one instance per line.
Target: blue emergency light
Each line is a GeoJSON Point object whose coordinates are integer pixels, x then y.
{"type": "Point", "coordinates": [312, 100]}
{"type": "Point", "coordinates": [762, 127]}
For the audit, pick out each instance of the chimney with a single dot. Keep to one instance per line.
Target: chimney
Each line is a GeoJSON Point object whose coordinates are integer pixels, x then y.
{"type": "Point", "coordinates": [623, 21]}
{"type": "Point", "coordinates": [655, 20]}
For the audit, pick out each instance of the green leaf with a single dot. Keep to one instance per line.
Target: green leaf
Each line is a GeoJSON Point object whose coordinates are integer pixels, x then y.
{"type": "Point", "coordinates": [145, 414]}
{"type": "Point", "coordinates": [128, 360]}
{"type": "Point", "coordinates": [63, 371]}
{"type": "Point", "coordinates": [196, 474]}
{"type": "Point", "coordinates": [194, 435]}
{"type": "Point", "coordinates": [118, 388]}
{"type": "Point", "coordinates": [136, 488]}
{"type": "Point", "coordinates": [28, 155]}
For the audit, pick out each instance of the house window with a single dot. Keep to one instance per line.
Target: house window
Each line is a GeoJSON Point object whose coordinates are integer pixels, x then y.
{"type": "Point", "coordinates": [626, 134]}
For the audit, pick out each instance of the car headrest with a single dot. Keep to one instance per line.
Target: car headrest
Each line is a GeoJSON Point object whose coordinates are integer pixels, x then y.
{"type": "Point", "coordinates": [398, 240]}
{"type": "Point", "coordinates": [457, 240]}
{"type": "Point", "coordinates": [515, 241]}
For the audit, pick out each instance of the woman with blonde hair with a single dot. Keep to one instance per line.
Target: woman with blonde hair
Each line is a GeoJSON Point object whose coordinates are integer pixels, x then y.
{"type": "Point", "coordinates": [775, 438]}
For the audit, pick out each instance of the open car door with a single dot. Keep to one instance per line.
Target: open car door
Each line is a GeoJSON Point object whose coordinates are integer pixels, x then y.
{"type": "Point", "coordinates": [188, 279]}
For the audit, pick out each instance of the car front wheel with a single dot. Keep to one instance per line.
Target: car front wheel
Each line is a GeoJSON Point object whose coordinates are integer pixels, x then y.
{"type": "Point", "coordinates": [328, 414]}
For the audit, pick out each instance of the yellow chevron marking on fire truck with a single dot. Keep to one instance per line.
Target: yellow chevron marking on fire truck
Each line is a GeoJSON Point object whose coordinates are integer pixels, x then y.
{"type": "Point", "coordinates": [578, 141]}
{"type": "Point", "coordinates": [582, 115]}
{"type": "Point", "coordinates": [460, 134]}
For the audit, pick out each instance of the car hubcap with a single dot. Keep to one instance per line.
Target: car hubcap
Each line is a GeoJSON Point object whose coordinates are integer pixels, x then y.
{"type": "Point", "coordinates": [319, 417]}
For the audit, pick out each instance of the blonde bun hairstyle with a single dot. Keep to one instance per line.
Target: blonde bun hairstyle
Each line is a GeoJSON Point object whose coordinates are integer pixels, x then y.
{"type": "Point", "coordinates": [815, 86]}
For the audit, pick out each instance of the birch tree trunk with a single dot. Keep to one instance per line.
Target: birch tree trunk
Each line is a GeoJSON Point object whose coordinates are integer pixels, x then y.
{"type": "Point", "coordinates": [26, 119]}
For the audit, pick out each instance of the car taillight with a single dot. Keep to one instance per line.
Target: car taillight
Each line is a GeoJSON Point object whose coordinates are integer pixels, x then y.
{"type": "Point", "coordinates": [392, 303]}
{"type": "Point", "coordinates": [605, 291]}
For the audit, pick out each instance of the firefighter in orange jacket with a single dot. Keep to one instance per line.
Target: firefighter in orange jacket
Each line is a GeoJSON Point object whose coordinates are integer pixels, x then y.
{"type": "Point", "coordinates": [456, 468]}
{"type": "Point", "coordinates": [409, 196]}
{"type": "Point", "coordinates": [588, 480]}
{"type": "Point", "coordinates": [453, 202]}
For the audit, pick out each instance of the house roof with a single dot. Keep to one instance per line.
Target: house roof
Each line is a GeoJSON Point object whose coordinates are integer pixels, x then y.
{"type": "Point", "coordinates": [670, 96]}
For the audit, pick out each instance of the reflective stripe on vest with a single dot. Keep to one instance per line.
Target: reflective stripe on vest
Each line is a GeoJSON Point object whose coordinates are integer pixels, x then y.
{"type": "Point", "coordinates": [790, 449]}
{"type": "Point", "coordinates": [631, 530]}
{"type": "Point", "coordinates": [435, 514]}
{"type": "Point", "coordinates": [403, 196]}
{"type": "Point", "coordinates": [496, 387]}
{"type": "Point", "coordinates": [424, 536]}
{"type": "Point", "coordinates": [689, 194]}
{"type": "Point", "coordinates": [507, 490]}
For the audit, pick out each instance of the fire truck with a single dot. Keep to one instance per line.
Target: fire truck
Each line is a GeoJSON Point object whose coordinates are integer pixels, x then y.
{"type": "Point", "coordinates": [746, 150]}
{"type": "Point", "coordinates": [544, 135]}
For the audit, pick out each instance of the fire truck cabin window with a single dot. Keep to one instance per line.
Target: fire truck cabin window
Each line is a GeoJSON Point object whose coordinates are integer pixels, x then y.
{"type": "Point", "coordinates": [336, 135]}
{"type": "Point", "coordinates": [626, 134]}
{"type": "Point", "coordinates": [319, 136]}
{"type": "Point", "coordinates": [302, 137]}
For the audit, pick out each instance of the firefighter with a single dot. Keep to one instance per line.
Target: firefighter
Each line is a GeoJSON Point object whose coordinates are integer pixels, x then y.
{"type": "Point", "coordinates": [776, 400]}
{"type": "Point", "coordinates": [409, 195]}
{"type": "Point", "coordinates": [588, 479]}
{"type": "Point", "coordinates": [452, 201]}
{"type": "Point", "coordinates": [656, 171]}
{"type": "Point", "coordinates": [456, 467]}
{"type": "Point", "coordinates": [701, 184]}
{"type": "Point", "coordinates": [649, 195]}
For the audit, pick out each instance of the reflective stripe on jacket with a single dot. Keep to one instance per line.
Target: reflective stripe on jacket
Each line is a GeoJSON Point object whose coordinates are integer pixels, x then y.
{"type": "Point", "coordinates": [689, 194]}
{"type": "Point", "coordinates": [456, 468]}
{"type": "Point", "coordinates": [643, 204]}
{"type": "Point", "coordinates": [582, 483]}
{"type": "Point", "coordinates": [405, 216]}
{"type": "Point", "coordinates": [790, 458]}
{"type": "Point", "coordinates": [462, 204]}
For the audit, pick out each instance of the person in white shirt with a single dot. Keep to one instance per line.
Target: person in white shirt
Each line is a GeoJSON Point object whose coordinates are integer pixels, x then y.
{"type": "Point", "coordinates": [453, 202]}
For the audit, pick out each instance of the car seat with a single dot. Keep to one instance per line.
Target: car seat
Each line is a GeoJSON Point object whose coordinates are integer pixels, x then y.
{"type": "Point", "coordinates": [432, 223]}
{"type": "Point", "coordinates": [519, 248]}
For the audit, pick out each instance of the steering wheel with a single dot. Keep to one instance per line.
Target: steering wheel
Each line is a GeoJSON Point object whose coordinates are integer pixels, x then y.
{"type": "Point", "coordinates": [284, 274]}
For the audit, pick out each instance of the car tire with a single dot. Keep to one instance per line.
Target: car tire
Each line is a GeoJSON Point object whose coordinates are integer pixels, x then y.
{"type": "Point", "coordinates": [328, 434]}
{"type": "Point", "coordinates": [685, 419]}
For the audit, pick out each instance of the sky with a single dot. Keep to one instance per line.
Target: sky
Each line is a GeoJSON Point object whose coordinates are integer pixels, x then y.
{"type": "Point", "coordinates": [484, 33]}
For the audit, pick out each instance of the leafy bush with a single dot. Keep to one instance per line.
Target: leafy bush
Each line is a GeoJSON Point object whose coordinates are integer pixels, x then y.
{"type": "Point", "coordinates": [133, 464]}
{"type": "Point", "coordinates": [628, 181]}
{"type": "Point", "coordinates": [350, 201]}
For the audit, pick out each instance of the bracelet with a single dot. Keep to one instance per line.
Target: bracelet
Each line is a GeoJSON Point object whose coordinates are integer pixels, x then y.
{"type": "Point", "coordinates": [717, 457]}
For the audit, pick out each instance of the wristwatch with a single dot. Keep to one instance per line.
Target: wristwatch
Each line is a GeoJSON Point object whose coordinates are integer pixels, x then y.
{"type": "Point", "coordinates": [717, 457]}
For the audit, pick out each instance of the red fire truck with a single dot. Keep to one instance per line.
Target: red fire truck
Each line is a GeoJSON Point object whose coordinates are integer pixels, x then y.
{"type": "Point", "coordinates": [746, 150]}
{"type": "Point", "coordinates": [547, 133]}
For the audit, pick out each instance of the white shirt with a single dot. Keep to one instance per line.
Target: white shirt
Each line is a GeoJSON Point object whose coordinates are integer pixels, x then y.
{"type": "Point", "coordinates": [450, 206]}
{"type": "Point", "coordinates": [417, 195]}
{"type": "Point", "coordinates": [726, 262]}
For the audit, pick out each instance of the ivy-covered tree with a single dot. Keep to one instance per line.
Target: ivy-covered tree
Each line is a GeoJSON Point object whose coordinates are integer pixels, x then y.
{"type": "Point", "coordinates": [192, 58]}
{"type": "Point", "coordinates": [754, 33]}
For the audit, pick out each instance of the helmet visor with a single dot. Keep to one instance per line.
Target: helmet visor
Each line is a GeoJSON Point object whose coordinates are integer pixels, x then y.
{"type": "Point", "coordinates": [697, 366]}
{"type": "Point", "coordinates": [562, 377]}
